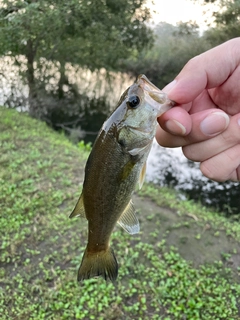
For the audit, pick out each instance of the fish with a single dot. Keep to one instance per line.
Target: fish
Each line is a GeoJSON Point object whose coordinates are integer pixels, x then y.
{"type": "Point", "coordinates": [116, 164]}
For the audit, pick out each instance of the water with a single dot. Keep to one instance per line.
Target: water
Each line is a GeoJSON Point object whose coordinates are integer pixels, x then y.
{"type": "Point", "coordinates": [13, 91]}
{"type": "Point", "coordinates": [165, 167]}
{"type": "Point", "coordinates": [169, 167]}
{"type": "Point", "coordinates": [93, 84]}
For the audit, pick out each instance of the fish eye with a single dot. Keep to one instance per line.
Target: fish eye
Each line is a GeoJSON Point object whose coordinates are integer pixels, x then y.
{"type": "Point", "coordinates": [133, 101]}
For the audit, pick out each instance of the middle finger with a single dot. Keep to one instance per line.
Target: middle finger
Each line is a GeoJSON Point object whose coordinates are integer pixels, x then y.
{"type": "Point", "coordinates": [206, 149]}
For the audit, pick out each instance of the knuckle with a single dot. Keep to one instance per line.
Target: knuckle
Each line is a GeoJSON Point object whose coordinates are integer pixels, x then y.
{"type": "Point", "coordinates": [210, 172]}
{"type": "Point", "coordinates": [192, 62]}
{"type": "Point", "coordinates": [190, 152]}
{"type": "Point", "coordinates": [162, 141]}
{"type": "Point", "coordinates": [205, 171]}
{"type": "Point", "coordinates": [232, 133]}
{"type": "Point", "coordinates": [167, 140]}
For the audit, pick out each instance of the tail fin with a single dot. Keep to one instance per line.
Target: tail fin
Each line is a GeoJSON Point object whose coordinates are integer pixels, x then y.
{"type": "Point", "coordinates": [101, 263]}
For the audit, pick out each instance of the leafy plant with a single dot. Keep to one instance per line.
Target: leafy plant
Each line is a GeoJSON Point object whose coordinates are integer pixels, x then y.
{"type": "Point", "coordinates": [40, 248]}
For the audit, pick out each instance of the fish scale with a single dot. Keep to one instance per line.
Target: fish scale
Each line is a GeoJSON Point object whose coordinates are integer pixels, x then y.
{"type": "Point", "coordinates": [115, 165]}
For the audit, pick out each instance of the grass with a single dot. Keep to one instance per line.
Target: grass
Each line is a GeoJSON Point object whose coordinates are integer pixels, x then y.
{"type": "Point", "coordinates": [40, 248]}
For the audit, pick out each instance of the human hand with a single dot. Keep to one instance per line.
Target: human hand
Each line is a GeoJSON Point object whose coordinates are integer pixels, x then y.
{"type": "Point", "coordinates": [206, 121]}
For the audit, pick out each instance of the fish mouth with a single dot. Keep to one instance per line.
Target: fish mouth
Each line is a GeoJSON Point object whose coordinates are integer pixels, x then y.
{"type": "Point", "coordinates": [154, 96]}
{"type": "Point", "coordinates": [146, 84]}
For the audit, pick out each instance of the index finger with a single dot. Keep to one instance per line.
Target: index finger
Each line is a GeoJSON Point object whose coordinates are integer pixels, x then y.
{"type": "Point", "coordinates": [207, 124]}
{"type": "Point", "coordinates": [208, 70]}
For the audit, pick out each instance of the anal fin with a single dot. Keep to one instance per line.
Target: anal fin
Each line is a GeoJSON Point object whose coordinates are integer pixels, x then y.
{"type": "Point", "coordinates": [128, 220]}
{"type": "Point", "coordinates": [79, 209]}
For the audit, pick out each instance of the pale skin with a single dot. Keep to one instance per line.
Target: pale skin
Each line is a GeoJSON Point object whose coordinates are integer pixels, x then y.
{"type": "Point", "coordinates": [206, 120]}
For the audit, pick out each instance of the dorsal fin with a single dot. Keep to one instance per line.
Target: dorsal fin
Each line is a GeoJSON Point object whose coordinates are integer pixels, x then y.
{"type": "Point", "coordinates": [142, 175]}
{"type": "Point", "coordinates": [79, 209]}
{"type": "Point", "coordinates": [128, 221]}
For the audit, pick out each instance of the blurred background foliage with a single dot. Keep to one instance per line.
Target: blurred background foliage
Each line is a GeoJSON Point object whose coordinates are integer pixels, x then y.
{"type": "Point", "coordinates": [67, 62]}
{"type": "Point", "coordinates": [86, 34]}
{"type": "Point", "coordinates": [226, 19]}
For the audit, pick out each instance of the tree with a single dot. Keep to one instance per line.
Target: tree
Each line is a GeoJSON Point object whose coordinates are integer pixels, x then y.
{"type": "Point", "coordinates": [226, 21]}
{"type": "Point", "coordinates": [91, 34]}
{"type": "Point", "coordinates": [173, 47]}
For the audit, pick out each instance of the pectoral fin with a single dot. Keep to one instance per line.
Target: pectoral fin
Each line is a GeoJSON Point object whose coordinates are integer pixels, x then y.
{"type": "Point", "coordinates": [126, 171]}
{"type": "Point", "coordinates": [128, 221]}
{"type": "Point", "coordinates": [79, 209]}
{"type": "Point", "coordinates": [142, 175]}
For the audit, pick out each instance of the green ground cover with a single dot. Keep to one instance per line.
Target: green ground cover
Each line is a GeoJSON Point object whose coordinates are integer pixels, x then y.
{"type": "Point", "coordinates": [184, 264]}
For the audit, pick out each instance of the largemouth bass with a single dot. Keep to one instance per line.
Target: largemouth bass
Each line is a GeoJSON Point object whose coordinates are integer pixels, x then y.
{"type": "Point", "coordinates": [115, 165]}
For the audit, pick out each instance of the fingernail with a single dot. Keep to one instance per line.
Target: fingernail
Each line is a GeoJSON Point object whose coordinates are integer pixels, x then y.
{"type": "Point", "coordinates": [214, 123]}
{"type": "Point", "coordinates": [170, 86]}
{"type": "Point", "coordinates": [175, 127]}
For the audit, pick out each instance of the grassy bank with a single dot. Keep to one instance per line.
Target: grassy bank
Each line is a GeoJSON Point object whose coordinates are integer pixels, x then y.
{"type": "Point", "coordinates": [183, 264]}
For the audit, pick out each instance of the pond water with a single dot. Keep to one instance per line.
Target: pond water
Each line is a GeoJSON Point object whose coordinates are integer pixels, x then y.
{"type": "Point", "coordinates": [93, 84]}
{"type": "Point", "coordinates": [169, 167]}
{"type": "Point", "coordinates": [165, 167]}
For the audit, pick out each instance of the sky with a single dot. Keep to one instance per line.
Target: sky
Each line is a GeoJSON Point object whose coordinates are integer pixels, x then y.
{"type": "Point", "coordinates": [173, 11]}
